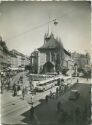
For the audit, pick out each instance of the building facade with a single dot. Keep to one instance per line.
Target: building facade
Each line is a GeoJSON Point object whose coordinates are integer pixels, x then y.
{"type": "Point", "coordinates": [51, 57]}
{"type": "Point", "coordinates": [81, 60]}
{"type": "Point", "coordinates": [4, 55]}
{"type": "Point", "coordinates": [21, 60]}
{"type": "Point", "coordinates": [13, 60]}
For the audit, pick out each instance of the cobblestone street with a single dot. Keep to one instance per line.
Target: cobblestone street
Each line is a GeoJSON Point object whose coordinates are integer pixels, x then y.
{"type": "Point", "coordinates": [15, 110]}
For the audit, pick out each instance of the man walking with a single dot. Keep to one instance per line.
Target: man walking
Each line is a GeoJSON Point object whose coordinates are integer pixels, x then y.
{"type": "Point", "coordinates": [58, 106]}
{"type": "Point", "coordinates": [23, 93]}
{"type": "Point", "coordinates": [15, 89]}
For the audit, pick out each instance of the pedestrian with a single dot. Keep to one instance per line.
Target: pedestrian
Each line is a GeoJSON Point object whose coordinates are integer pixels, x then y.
{"type": "Point", "coordinates": [15, 90]}
{"type": "Point", "coordinates": [65, 88]}
{"type": "Point", "coordinates": [23, 93]}
{"type": "Point", "coordinates": [77, 80]}
{"type": "Point", "coordinates": [46, 98]}
{"type": "Point", "coordinates": [60, 89]}
{"type": "Point", "coordinates": [1, 89]}
{"type": "Point", "coordinates": [19, 90]}
{"type": "Point", "coordinates": [13, 86]}
{"type": "Point", "coordinates": [57, 92]}
{"type": "Point", "coordinates": [31, 84]}
{"type": "Point", "coordinates": [58, 82]}
{"type": "Point", "coordinates": [32, 111]}
{"type": "Point", "coordinates": [51, 94]}
{"type": "Point", "coordinates": [8, 84]}
{"type": "Point", "coordinates": [31, 100]}
{"type": "Point", "coordinates": [58, 106]}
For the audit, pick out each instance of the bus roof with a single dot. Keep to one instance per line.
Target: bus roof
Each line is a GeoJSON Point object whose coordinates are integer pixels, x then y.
{"type": "Point", "coordinates": [53, 79]}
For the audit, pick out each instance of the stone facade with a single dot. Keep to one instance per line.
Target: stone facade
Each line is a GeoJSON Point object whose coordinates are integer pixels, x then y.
{"type": "Point", "coordinates": [50, 57]}
{"type": "Point", "coordinates": [21, 59]}
{"type": "Point", "coordinates": [11, 59]}
{"type": "Point", "coordinates": [68, 61]}
{"type": "Point", "coordinates": [4, 55]}
{"type": "Point", "coordinates": [81, 59]}
{"type": "Point", "coordinates": [41, 61]}
{"type": "Point", "coordinates": [34, 61]}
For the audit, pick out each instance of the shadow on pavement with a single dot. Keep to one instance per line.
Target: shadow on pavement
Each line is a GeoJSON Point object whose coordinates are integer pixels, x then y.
{"type": "Point", "coordinates": [47, 114]}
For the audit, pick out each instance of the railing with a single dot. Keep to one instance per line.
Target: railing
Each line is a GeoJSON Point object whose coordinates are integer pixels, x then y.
{"type": "Point", "coordinates": [40, 77]}
{"type": "Point", "coordinates": [55, 78]}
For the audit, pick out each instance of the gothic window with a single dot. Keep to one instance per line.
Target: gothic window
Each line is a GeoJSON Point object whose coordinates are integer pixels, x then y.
{"type": "Point", "coordinates": [52, 56]}
{"type": "Point", "coordinates": [47, 56]}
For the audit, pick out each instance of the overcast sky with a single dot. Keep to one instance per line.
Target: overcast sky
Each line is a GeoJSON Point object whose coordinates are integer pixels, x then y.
{"type": "Point", "coordinates": [21, 24]}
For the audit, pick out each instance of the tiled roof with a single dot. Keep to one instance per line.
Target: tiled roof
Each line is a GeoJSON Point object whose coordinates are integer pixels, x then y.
{"type": "Point", "coordinates": [17, 53]}
{"type": "Point", "coordinates": [3, 45]}
{"type": "Point", "coordinates": [66, 52]}
{"type": "Point", "coordinates": [50, 43]}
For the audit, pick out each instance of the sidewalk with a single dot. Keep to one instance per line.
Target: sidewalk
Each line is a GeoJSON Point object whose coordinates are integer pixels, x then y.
{"type": "Point", "coordinates": [12, 108]}
{"type": "Point", "coordinates": [84, 80]}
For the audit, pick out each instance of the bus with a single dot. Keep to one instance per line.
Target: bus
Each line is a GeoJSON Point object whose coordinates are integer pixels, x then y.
{"type": "Point", "coordinates": [45, 85]}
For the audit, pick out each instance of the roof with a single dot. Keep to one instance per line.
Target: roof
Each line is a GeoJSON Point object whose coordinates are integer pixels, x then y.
{"type": "Point", "coordinates": [50, 43]}
{"type": "Point", "coordinates": [66, 52]}
{"type": "Point", "coordinates": [3, 45]}
{"type": "Point", "coordinates": [17, 53]}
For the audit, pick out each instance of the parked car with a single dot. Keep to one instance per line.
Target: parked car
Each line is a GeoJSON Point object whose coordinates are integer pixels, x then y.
{"type": "Point", "coordinates": [74, 94]}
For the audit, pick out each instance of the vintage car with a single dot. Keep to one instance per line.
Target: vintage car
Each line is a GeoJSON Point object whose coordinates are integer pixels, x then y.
{"type": "Point", "coordinates": [74, 95]}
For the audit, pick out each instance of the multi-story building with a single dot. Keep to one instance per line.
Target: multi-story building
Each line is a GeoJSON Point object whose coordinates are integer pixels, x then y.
{"type": "Point", "coordinates": [34, 61]}
{"type": "Point", "coordinates": [21, 59]}
{"type": "Point", "coordinates": [4, 55]}
{"type": "Point", "coordinates": [13, 60]}
{"type": "Point", "coordinates": [68, 61]}
{"type": "Point", "coordinates": [81, 59]}
{"type": "Point", "coordinates": [1, 57]}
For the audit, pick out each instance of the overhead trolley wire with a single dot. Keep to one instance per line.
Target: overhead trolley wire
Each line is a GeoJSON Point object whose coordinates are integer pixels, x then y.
{"type": "Point", "coordinates": [36, 27]}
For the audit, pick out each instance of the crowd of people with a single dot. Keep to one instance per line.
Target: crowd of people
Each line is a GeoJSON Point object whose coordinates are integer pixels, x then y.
{"type": "Point", "coordinates": [20, 89]}
{"type": "Point", "coordinates": [17, 88]}
{"type": "Point", "coordinates": [5, 80]}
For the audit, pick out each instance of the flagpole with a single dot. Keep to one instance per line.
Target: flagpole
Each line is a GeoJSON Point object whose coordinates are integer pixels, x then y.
{"type": "Point", "coordinates": [49, 26]}
{"type": "Point", "coordinates": [55, 24]}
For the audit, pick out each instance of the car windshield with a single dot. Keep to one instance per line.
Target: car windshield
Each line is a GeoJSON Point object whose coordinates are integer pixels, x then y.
{"type": "Point", "coordinates": [41, 85]}
{"type": "Point", "coordinates": [74, 91]}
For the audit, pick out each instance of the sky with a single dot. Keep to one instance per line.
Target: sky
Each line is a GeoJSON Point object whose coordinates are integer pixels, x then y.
{"type": "Point", "coordinates": [23, 24]}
